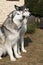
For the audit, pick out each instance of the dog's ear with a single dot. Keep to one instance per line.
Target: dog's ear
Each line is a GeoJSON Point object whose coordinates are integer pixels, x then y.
{"type": "Point", "coordinates": [10, 15]}
{"type": "Point", "coordinates": [16, 7]}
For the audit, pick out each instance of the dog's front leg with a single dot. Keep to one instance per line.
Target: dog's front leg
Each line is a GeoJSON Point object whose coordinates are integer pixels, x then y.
{"type": "Point", "coordinates": [22, 44]}
{"type": "Point", "coordinates": [1, 52]}
{"type": "Point", "coordinates": [15, 51]}
{"type": "Point", "coordinates": [18, 46]}
{"type": "Point", "coordinates": [9, 50]}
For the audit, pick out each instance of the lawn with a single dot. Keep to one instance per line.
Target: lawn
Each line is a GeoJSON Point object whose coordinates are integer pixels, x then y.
{"type": "Point", "coordinates": [34, 47]}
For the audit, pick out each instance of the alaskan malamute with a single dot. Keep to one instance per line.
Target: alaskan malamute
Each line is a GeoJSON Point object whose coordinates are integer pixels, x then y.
{"type": "Point", "coordinates": [23, 29]}
{"type": "Point", "coordinates": [9, 34]}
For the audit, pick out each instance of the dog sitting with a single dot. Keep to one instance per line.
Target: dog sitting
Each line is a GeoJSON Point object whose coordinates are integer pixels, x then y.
{"type": "Point", "coordinates": [9, 34]}
{"type": "Point", "coordinates": [23, 29]}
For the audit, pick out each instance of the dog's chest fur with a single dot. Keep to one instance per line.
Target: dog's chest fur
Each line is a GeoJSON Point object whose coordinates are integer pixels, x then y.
{"type": "Point", "coordinates": [24, 27]}
{"type": "Point", "coordinates": [10, 24]}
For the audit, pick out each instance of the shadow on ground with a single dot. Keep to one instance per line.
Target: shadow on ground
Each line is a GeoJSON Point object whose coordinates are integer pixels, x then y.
{"type": "Point", "coordinates": [27, 41]}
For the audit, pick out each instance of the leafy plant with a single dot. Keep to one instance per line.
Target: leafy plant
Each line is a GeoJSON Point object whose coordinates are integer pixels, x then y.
{"type": "Point", "coordinates": [35, 6]}
{"type": "Point", "coordinates": [31, 28]}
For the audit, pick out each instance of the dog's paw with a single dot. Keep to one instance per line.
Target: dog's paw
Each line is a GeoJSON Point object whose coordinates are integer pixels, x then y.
{"type": "Point", "coordinates": [18, 56]}
{"type": "Point", "coordinates": [13, 59]}
{"type": "Point", "coordinates": [23, 50]}
{"type": "Point", "coordinates": [19, 53]}
{"type": "Point", "coordinates": [0, 58]}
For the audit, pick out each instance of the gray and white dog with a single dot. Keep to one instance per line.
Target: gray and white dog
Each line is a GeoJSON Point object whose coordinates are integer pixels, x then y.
{"type": "Point", "coordinates": [23, 29]}
{"type": "Point", "coordinates": [9, 34]}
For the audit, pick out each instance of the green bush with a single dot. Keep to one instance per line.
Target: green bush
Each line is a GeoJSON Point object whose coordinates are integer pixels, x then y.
{"type": "Point", "coordinates": [31, 28]}
{"type": "Point", "coordinates": [35, 6]}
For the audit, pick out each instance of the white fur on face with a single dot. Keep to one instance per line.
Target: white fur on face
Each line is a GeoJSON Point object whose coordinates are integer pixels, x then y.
{"type": "Point", "coordinates": [26, 13]}
{"type": "Point", "coordinates": [18, 15]}
{"type": "Point", "coordinates": [17, 18]}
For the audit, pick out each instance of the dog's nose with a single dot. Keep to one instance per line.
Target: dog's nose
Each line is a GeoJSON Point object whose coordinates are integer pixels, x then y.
{"type": "Point", "coordinates": [23, 17]}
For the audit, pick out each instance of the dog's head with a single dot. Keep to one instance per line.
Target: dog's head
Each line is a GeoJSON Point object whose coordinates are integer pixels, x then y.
{"type": "Point", "coordinates": [25, 10]}
{"type": "Point", "coordinates": [17, 19]}
{"type": "Point", "coordinates": [16, 15]}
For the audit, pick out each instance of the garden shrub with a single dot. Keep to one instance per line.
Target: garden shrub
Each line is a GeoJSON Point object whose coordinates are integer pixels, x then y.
{"type": "Point", "coordinates": [31, 28]}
